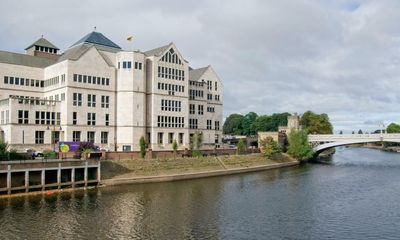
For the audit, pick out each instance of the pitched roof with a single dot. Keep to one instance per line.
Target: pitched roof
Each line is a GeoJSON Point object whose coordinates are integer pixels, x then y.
{"type": "Point", "coordinates": [42, 42]}
{"type": "Point", "coordinates": [195, 74]}
{"type": "Point", "coordinates": [76, 52]}
{"type": "Point", "coordinates": [98, 39]}
{"type": "Point", "coordinates": [25, 60]}
{"type": "Point", "coordinates": [158, 51]}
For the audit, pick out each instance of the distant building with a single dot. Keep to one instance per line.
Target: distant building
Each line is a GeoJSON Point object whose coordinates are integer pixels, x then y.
{"type": "Point", "coordinates": [95, 91]}
{"type": "Point", "coordinates": [281, 135]}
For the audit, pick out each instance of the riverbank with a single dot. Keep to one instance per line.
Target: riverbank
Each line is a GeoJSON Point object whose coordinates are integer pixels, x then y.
{"type": "Point", "coordinates": [136, 171]}
{"type": "Point", "coordinates": [162, 170]}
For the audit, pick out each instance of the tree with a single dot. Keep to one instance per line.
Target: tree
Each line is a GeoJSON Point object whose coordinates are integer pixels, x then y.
{"type": "Point", "coordinates": [262, 124]}
{"type": "Point", "coordinates": [174, 146]}
{"type": "Point", "coordinates": [360, 131]}
{"type": "Point", "coordinates": [247, 123]}
{"type": "Point", "coordinates": [196, 141]}
{"type": "Point", "coordinates": [241, 147]}
{"type": "Point", "coordinates": [233, 124]}
{"type": "Point", "coordinates": [316, 123]}
{"type": "Point", "coordinates": [393, 128]}
{"type": "Point", "coordinates": [142, 144]}
{"type": "Point", "coordinates": [299, 147]}
{"type": "Point", "coordinates": [269, 147]}
{"type": "Point", "coordinates": [341, 132]}
{"type": "Point", "coordinates": [352, 132]}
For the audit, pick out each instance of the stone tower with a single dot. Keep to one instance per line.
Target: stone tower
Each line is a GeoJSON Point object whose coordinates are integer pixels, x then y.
{"type": "Point", "coordinates": [293, 123]}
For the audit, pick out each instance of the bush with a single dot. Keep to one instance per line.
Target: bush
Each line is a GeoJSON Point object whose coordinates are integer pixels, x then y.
{"type": "Point", "coordinates": [174, 146]}
{"type": "Point", "coordinates": [47, 154]}
{"type": "Point", "coordinates": [241, 147]}
{"type": "Point", "coordinates": [269, 147]}
{"type": "Point", "coordinates": [299, 147]}
{"type": "Point", "coordinates": [142, 145]}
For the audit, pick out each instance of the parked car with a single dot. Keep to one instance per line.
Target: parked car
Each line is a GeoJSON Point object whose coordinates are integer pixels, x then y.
{"type": "Point", "coordinates": [34, 153]}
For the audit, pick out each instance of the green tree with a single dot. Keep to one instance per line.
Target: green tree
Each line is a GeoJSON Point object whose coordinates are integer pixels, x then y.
{"type": "Point", "coordinates": [299, 147]}
{"type": "Point", "coordinates": [195, 143]}
{"type": "Point", "coordinates": [316, 123]}
{"type": "Point", "coordinates": [233, 124]}
{"type": "Point", "coordinates": [142, 144]}
{"type": "Point", "coordinates": [241, 147]}
{"type": "Point", "coordinates": [278, 119]}
{"type": "Point", "coordinates": [360, 131]}
{"type": "Point", "coordinates": [174, 146]}
{"type": "Point", "coordinates": [269, 147]}
{"type": "Point", "coordinates": [262, 124]}
{"type": "Point", "coordinates": [247, 123]}
{"type": "Point", "coordinates": [393, 128]}
{"type": "Point", "coordinates": [265, 123]}
{"type": "Point", "coordinates": [341, 132]}
{"type": "Point", "coordinates": [3, 147]}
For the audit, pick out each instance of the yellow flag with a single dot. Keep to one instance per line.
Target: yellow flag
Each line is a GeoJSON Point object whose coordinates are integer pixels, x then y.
{"type": "Point", "coordinates": [130, 38]}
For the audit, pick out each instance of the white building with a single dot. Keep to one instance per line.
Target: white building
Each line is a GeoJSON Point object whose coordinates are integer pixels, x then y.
{"type": "Point", "coordinates": [95, 91]}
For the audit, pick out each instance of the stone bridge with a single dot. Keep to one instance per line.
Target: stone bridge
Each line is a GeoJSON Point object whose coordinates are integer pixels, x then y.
{"type": "Point", "coordinates": [320, 143]}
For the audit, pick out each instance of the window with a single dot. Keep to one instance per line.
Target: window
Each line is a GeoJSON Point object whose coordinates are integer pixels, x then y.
{"type": "Point", "coordinates": [91, 136]}
{"type": "Point", "coordinates": [107, 119]}
{"type": "Point", "coordinates": [39, 137]}
{"type": "Point", "coordinates": [192, 109]}
{"type": "Point", "coordinates": [62, 96]}
{"type": "Point", "coordinates": [91, 119]}
{"type": "Point", "coordinates": [216, 125]}
{"type": "Point", "coordinates": [170, 138]}
{"type": "Point", "coordinates": [104, 137]}
{"type": "Point", "coordinates": [76, 136]}
{"type": "Point", "coordinates": [91, 100]}
{"type": "Point", "coordinates": [5, 80]}
{"type": "Point", "coordinates": [126, 65]}
{"type": "Point", "coordinates": [74, 118]}
{"type": "Point", "coordinates": [23, 116]}
{"type": "Point", "coordinates": [180, 138]}
{"type": "Point", "coordinates": [160, 138]}
{"type": "Point", "coordinates": [209, 96]}
{"type": "Point", "coordinates": [77, 99]}
{"type": "Point", "coordinates": [105, 101]}
{"type": "Point", "coordinates": [209, 124]}
{"type": "Point", "coordinates": [193, 123]}
{"type": "Point", "coordinates": [201, 109]}
{"type": "Point", "coordinates": [216, 86]}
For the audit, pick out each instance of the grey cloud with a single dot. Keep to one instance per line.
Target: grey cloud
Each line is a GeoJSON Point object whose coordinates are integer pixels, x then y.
{"type": "Point", "coordinates": [340, 57]}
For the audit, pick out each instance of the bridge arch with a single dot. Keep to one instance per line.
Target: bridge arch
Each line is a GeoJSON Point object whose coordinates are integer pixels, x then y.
{"type": "Point", "coordinates": [321, 143]}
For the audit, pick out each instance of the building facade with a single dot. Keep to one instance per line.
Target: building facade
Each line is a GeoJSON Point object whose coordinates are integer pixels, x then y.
{"type": "Point", "coordinates": [95, 91]}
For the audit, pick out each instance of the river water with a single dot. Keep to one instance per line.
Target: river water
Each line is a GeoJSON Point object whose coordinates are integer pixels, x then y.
{"type": "Point", "coordinates": [355, 196]}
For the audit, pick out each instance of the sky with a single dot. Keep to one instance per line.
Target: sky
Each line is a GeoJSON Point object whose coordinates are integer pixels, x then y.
{"type": "Point", "coordinates": [329, 56]}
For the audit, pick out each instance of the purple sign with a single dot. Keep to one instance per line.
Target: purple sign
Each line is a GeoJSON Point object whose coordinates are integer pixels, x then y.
{"type": "Point", "coordinates": [68, 146]}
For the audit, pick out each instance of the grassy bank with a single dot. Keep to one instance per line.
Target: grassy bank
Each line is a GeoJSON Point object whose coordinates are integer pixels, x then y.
{"type": "Point", "coordinates": [170, 166]}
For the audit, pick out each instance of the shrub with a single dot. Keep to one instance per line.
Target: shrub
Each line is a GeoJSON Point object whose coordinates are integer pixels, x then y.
{"type": "Point", "coordinates": [241, 147]}
{"type": "Point", "coordinates": [47, 154]}
{"type": "Point", "coordinates": [269, 147]}
{"type": "Point", "coordinates": [142, 145]}
{"type": "Point", "coordinates": [174, 146]}
{"type": "Point", "coordinates": [196, 141]}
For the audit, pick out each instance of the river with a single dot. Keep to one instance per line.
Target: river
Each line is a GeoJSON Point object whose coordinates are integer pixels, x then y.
{"type": "Point", "coordinates": [355, 196]}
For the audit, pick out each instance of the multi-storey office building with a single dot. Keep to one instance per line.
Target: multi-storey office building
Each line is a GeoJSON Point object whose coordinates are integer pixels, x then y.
{"type": "Point", "coordinates": [95, 91]}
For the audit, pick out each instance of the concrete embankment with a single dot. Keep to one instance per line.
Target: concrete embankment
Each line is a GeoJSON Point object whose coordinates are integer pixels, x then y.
{"type": "Point", "coordinates": [163, 170]}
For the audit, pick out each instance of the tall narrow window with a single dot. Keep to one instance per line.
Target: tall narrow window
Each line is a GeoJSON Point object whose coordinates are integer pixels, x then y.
{"type": "Point", "coordinates": [74, 118]}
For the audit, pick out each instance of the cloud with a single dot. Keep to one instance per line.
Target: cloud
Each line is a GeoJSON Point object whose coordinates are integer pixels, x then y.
{"type": "Point", "coordinates": [338, 57]}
